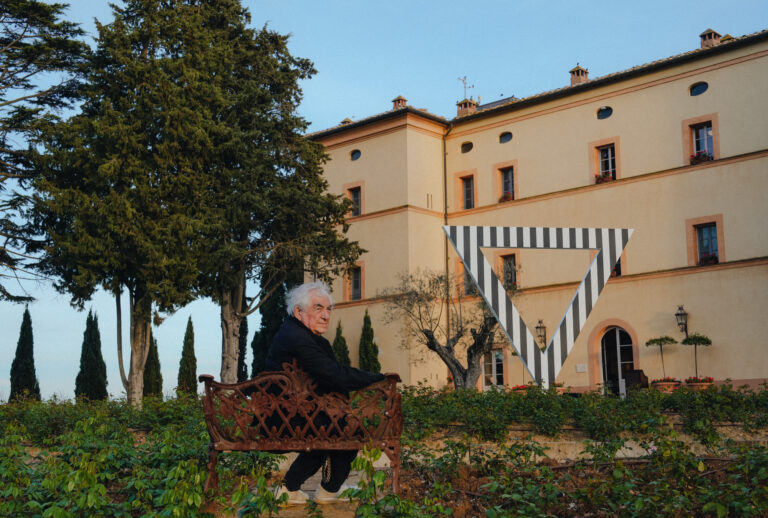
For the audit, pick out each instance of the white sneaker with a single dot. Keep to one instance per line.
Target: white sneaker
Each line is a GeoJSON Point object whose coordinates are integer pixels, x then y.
{"type": "Point", "coordinates": [326, 497]}
{"type": "Point", "coordinates": [297, 497]}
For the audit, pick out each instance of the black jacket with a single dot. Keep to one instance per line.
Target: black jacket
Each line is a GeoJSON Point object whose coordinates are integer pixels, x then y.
{"type": "Point", "coordinates": [314, 353]}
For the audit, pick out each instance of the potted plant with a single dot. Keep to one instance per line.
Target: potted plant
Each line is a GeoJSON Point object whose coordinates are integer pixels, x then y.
{"type": "Point", "coordinates": [661, 341]}
{"type": "Point", "coordinates": [699, 382]}
{"type": "Point", "coordinates": [665, 384]}
{"type": "Point", "coordinates": [507, 196]}
{"type": "Point", "coordinates": [696, 339]}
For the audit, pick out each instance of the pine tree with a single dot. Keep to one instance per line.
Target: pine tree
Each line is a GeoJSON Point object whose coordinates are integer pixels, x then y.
{"type": "Point", "coordinates": [369, 351]}
{"type": "Point", "coordinates": [340, 349]}
{"type": "Point", "coordinates": [41, 53]}
{"type": "Point", "coordinates": [153, 378]}
{"type": "Point", "coordinates": [188, 366]}
{"type": "Point", "coordinates": [242, 368]}
{"type": "Point", "coordinates": [91, 381]}
{"type": "Point", "coordinates": [23, 378]}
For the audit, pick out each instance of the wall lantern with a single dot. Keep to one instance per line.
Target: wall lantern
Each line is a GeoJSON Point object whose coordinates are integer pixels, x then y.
{"type": "Point", "coordinates": [682, 320]}
{"type": "Point", "coordinates": [541, 333]}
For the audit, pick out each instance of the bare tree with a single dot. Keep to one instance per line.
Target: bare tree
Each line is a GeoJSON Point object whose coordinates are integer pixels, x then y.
{"type": "Point", "coordinates": [437, 314]}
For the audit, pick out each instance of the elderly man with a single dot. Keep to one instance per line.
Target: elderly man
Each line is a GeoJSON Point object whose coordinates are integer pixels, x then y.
{"type": "Point", "coordinates": [300, 337]}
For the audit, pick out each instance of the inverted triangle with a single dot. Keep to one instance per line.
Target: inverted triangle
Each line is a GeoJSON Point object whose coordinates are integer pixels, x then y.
{"type": "Point", "coordinates": [543, 366]}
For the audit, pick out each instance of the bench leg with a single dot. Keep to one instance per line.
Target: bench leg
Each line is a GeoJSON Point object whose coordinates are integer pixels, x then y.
{"type": "Point", "coordinates": [394, 462]}
{"type": "Point", "coordinates": [213, 478]}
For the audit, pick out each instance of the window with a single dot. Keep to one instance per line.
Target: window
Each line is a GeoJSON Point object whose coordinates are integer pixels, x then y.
{"type": "Point", "coordinates": [607, 161]}
{"type": "Point", "coordinates": [355, 194]}
{"type": "Point", "coordinates": [706, 244]}
{"type": "Point", "coordinates": [505, 137]}
{"type": "Point", "coordinates": [507, 183]}
{"type": "Point", "coordinates": [616, 272]}
{"type": "Point", "coordinates": [604, 112]}
{"type": "Point", "coordinates": [468, 284]}
{"type": "Point", "coordinates": [355, 154]}
{"type": "Point", "coordinates": [705, 240]}
{"type": "Point", "coordinates": [703, 143]}
{"type": "Point", "coordinates": [493, 369]}
{"type": "Point", "coordinates": [468, 192]}
{"type": "Point", "coordinates": [466, 147]}
{"type": "Point", "coordinates": [509, 271]}
{"type": "Point", "coordinates": [355, 283]}
{"type": "Point", "coordinates": [698, 88]}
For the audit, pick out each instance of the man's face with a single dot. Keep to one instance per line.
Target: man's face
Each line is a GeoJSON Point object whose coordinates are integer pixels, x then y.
{"type": "Point", "coordinates": [317, 314]}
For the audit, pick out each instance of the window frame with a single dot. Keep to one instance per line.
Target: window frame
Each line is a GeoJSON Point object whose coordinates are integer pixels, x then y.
{"type": "Point", "coordinates": [497, 360]}
{"type": "Point", "coordinates": [498, 262]}
{"type": "Point", "coordinates": [459, 177]}
{"type": "Point", "coordinates": [594, 158]}
{"type": "Point", "coordinates": [692, 244]}
{"type": "Point", "coordinates": [498, 187]}
{"type": "Point", "coordinates": [349, 292]}
{"type": "Point", "coordinates": [688, 125]}
{"type": "Point", "coordinates": [359, 186]}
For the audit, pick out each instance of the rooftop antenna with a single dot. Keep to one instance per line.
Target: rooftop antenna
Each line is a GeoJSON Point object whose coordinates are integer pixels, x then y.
{"type": "Point", "coordinates": [466, 86]}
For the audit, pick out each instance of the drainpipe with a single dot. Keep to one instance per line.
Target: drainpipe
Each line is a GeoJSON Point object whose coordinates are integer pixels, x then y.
{"type": "Point", "coordinates": [445, 243]}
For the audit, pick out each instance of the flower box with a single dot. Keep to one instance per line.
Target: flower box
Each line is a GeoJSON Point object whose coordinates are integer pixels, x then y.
{"type": "Point", "coordinates": [708, 260]}
{"type": "Point", "coordinates": [507, 196]}
{"type": "Point", "coordinates": [603, 178]}
{"type": "Point", "coordinates": [701, 156]}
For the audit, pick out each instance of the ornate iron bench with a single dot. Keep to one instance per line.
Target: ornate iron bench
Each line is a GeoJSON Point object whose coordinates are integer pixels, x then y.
{"type": "Point", "coordinates": [280, 412]}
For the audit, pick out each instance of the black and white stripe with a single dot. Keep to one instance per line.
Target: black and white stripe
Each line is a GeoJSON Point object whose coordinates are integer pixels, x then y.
{"type": "Point", "coordinates": [609, 243]}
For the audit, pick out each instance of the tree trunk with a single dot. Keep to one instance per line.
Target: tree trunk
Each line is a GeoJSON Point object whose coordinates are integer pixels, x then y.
{"type": "Point", "coordinates": [140, 328]}
{"type": "Point", "coordinates": [231, 301]}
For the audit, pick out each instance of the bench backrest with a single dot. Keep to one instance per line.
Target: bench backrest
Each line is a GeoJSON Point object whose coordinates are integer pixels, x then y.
{"type": "Point", "coordinates": [280, 411]}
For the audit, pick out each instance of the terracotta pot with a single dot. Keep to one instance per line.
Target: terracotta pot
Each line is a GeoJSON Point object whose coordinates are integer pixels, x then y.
{"type": "Point", "coordinates": [665, 386]}
{"type": "Point", "coordinates": [699, 386]}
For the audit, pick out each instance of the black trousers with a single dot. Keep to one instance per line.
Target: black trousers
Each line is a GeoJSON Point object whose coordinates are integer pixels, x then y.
{"type": "Point", "coordinates": [307, 464]}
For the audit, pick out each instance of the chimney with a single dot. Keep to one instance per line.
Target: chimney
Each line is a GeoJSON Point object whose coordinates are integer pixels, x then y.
{"type": "Point", "coordinates": [579, 75]}
{"type": "Point", "coordinates": [346, 121]}
{"type": "Point", "coordinates": [399, 102]}
{"type": "Point", "coordinates": [466, 107]}
{"type": "Point", "coordinates": [709, 38]}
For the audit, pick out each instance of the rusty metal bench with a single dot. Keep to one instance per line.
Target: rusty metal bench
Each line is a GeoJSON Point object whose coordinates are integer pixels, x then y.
{"type": "Point", "coordinates": [279, 412]}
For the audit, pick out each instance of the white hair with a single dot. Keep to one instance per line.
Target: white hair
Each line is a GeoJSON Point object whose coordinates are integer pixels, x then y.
{"type": "Point", "coordinates": [300, 295]}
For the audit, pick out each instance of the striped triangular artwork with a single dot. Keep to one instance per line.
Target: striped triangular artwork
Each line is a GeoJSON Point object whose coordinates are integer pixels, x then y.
{"type": "Point", "coordinates": [543, 366]}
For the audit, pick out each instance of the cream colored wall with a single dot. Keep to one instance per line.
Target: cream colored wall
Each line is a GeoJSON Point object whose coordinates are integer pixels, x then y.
{"type": "Point", "coordinates": [657, 209]}
{"type": "Point", "coordinates": [380, 165]}
{"type": "Point", "coordinates": [425, 169]}
{"type": "Point", "coordinates": [551, 140]}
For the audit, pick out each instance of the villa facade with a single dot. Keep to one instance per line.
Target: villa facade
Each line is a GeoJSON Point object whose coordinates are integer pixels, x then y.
{"type": "Point", "coordinates": [676, 149]}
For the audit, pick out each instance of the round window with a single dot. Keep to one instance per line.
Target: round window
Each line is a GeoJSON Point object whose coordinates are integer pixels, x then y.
{"type": "Point", "coordinates": [505, 137]}
{"type": "Point", "coordinates": [604, 112]}
{"type": "Point", "coordinates": [354, 155]}
{"type": "Point", "coordinates": [466, 147]}
{"type": "Point", "coordinates": [699, 88]}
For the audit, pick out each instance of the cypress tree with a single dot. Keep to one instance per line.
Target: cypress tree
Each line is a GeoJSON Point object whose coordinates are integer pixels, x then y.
{"type": "Point", "coordinates": [242, 344]}
{"type": "Point", "coordinates": [91, 381]}
{"type": "Point", "coordinates": [188, 366]}
{"type": "Point", "coordinates": [23, 378]}
{"type": "Point", "coordinates": [369, 351]}
{"type": "Point", "coordinates": [153, 378]}
{"type": "Point", "coordinates": [272, 316]}
{"type": "Point", "coordinates": [340, 349]}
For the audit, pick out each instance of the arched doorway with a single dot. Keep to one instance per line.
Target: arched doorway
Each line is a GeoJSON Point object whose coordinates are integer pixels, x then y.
{"type": "Point", "coordinates": [616, 354]}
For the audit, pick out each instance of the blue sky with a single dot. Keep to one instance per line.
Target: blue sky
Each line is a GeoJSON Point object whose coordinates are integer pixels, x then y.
{"type": "Point", "coordinates": [367, 53]}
